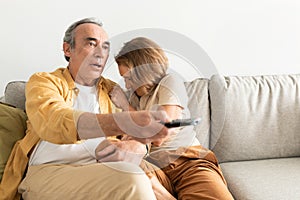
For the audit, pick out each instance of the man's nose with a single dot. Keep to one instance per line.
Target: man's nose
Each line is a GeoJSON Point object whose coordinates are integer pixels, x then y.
{"type": "Point", "coordinates": [98, 52]}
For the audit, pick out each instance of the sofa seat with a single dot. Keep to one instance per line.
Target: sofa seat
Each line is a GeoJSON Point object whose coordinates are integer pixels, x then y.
{"type": "Point", "coordinates": [261, 179]}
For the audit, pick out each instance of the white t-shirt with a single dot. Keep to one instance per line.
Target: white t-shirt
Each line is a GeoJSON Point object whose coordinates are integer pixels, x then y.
{"type": "Point", "coordinates": [82, 152]}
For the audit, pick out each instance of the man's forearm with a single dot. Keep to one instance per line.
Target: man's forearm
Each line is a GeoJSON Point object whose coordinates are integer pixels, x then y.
{"type": "Point", "coordinates": [143, 126]}
{"type": "Point", "coordinates": [91, 125]}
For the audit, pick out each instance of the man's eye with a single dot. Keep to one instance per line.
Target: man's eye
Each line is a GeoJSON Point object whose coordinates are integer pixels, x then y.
{"type": "Point", "coordinates": [92, 44]}
{"type": "Point", "coordinates": [105, 47]}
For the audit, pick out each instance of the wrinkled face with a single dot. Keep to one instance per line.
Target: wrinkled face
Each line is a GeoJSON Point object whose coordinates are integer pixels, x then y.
{"type": "Point", "coordinates": [124, 71]}
{"type": "Point", "coordinates": [89, 55]}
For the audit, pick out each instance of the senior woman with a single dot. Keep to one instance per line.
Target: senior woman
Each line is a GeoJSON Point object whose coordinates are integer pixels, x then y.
{"type": "Point", "coordinates": [185, 171]}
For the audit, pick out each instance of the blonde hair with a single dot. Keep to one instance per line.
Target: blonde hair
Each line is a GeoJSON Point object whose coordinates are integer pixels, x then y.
{"type": "Point", "coordinates": [145, 59]}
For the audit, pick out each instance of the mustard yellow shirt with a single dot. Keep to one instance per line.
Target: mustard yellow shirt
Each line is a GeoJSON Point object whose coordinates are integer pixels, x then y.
{"type": "Point", "coordinates": [49, 101]}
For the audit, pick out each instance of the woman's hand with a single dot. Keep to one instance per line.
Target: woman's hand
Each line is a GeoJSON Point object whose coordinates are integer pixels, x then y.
{"type": "Point", "coordinates": [118, 97]}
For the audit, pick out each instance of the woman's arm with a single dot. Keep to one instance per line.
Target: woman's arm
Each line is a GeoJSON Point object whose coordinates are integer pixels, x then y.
{"type": "Point", "coordinates": [173, 111]}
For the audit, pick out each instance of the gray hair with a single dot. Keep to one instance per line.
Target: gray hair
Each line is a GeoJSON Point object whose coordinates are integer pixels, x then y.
{"type": "Point", "coordinates": [69, 34]}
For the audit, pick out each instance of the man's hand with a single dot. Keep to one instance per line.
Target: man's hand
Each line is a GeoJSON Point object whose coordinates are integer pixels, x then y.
{"type": "Point", "coordinates": [144, 126]}
{"type": "Point", "coordinates": [111, 150]}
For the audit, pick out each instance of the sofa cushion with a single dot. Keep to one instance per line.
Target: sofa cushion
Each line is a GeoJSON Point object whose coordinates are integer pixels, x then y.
{"type": "Point", "coordinates": [264, 179]}
{"type": "Point", "coordinates": [12, 128]}
{"type": "Point", "coordinates": [198, 104]}
{"type": "Point", "coordinates": [2, 99]}
{"type": "Point", "coordinates": [255, 117]}
{"type": "Point", "coordinates": [14, 94]}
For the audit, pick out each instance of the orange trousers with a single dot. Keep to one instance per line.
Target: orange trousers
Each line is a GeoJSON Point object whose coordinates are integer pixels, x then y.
{"type": "Point", "coordinates": [188, 173]}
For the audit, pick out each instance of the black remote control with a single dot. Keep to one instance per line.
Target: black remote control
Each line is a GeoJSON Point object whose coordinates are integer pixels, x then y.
{"type": "Point", "coordinates": [182, 122]}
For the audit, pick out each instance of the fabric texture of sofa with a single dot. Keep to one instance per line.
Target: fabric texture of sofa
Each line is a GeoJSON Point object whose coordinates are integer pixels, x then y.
{"type": "Point", "coordinates": [252, 124]}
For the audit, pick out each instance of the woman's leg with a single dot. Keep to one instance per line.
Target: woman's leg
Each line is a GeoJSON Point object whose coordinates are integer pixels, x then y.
{"type": "Point", "coordinates": [198, 178]}
{"type": "Point", "coordinates": [161, 184]}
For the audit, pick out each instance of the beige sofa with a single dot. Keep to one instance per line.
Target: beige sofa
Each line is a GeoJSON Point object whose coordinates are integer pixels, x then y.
{"type": "Point", "coordinates": [252, 123]}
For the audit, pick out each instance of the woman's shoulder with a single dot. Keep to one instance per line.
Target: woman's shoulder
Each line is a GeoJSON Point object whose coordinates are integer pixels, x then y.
{"type": "Point", "coordinates": [171, 80]}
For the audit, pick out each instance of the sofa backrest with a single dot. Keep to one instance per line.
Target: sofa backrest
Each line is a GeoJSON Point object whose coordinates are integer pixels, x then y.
{"type": "Point", "coordinates": [255, 117]}
{"type": "Point", "coordinates": [198, 104]}
{"type": "Point", "coordinates": [243, 118]}
{"type": "Point", "coordinates": [14, 94]}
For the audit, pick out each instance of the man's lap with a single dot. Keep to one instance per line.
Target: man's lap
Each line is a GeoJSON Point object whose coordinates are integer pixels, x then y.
{"type": "Point", "coordinates": [97, 181]}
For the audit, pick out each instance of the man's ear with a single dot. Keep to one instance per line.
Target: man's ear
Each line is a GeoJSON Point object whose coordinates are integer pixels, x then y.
{"type": "Point", "coordinates": [67, 49]}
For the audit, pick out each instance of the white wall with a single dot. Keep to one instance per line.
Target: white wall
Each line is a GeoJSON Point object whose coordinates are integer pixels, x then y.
{"type": "Point", "coordinates": [241, 37]}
